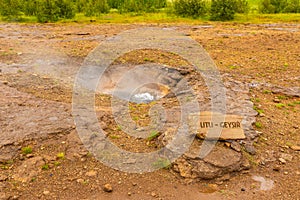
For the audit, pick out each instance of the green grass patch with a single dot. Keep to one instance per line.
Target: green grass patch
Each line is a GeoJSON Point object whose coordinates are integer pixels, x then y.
{"type": "Point", "coordinates": [26, 150]}
{"type": "Point", "coordinates": [279, 105]}
{"type": "Point", "coordinates": [153, 135]}
{"type": "Point", "coordinates": [60, 155]}
{"type": "Point", "coordinates": [45, 167]}
{"type": "Point", "coordinates": [258, 125]}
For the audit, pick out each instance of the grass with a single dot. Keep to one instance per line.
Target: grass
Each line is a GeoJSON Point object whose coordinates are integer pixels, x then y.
{"type": "Point", "coordinates": [45, 167]}
{"type": "Point", "coordinates": [60, 155]}
{"type": "Point", "coordinates": [153, 135]}
{"type": "Point", "coordinates": [169, 18]}
{"type": "Point", "coordinates": [260, 111]}
{"type": "Point", "coordinates": [279, 105]}
{"type": "Point", "coordinates": [258, 125]}
{"type": "Point", "coordinates": [26, 150]}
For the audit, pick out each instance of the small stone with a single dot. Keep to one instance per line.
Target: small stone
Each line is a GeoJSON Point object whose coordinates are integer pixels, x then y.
{"type": "Point", "coordinates": [5, 82]}
{"type": "Point", "coordinates": [107, 188]}
{"type": "Point", "coordinates": [154, 194]}
{"type": "Point", "coordinates": [286, 156]}
{"type": "Point", "coordinates": [235, 146]}
{"type": "Point", "coordinates": [282, 160]}
{"type": "Point", "coordinates": [129, 193]}
{"type": "Point", "coordinates": [262, 115]}
{"type": "Point", "coordinates": [243, 189]}
{"type": "Point", "coordinates": [46, 192]}
{"type": "Point", "coordinates": [134, 184]}
{"type": "Point", "coordinates": [29, 155]}
{"type": "Point", "coordinates": [285, 173]}
{"type": "Point", "coordinates": [295, 148]}
{"type": "Point", "coordinates": [276, 168]}
{"type": "Point", "coordinates": [250, 149]}
{"type": "Point", "coordinates": [297, 173]}
{"type": "Point", "coordinates": [91, 173]}
{"type": "Point", "coordinates": [276, 100]}
{"type": "Point", "coordinates": [80, 180]}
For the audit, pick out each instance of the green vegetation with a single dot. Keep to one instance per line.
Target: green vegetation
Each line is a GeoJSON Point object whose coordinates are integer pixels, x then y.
{"type": "Point", "coordinates": [153, 135]}
{"type": "Point", "coordinates": [60, 155]}
{"type": "Point", "coordinates": [260, 111]}
{"type": "Point", "coordinates": [258, 125]}
{"type": "Point", "coordinates": [45, 167]}
{"type": "Point", "coordinates": [127, 11]}
{"type": "Point", "coordinates": [26, 150]}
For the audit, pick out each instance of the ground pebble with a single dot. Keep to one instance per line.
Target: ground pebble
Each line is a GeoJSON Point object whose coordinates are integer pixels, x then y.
{"type": "Point", "coordinates": [107, 188]}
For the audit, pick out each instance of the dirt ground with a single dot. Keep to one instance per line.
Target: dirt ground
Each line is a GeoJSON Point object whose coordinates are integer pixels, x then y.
{"type": "Point", "coordinates": [38, 64]}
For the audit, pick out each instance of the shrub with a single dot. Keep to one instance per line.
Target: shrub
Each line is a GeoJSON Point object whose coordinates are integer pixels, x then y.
{"type": "Point", "coordinates": [66, 9]}
{"type": "Point", "coordinates": [95, 7]}
{"type": "Point", "coordinates": [10, 9]}
{"type": "Point", "coordinates": [273, 6]}
{"type": "Point", "coordinates": [190, 8]}
{"type": "Point", "coordinates": [47, 11]}
{"type": "Point", "coordinates": [293, 6]}
{"type": "Point", "coordinates": [222, 10]}
{"type": "Point", "coordinates": [241, 6]}
{"type": "Point", "coordinates": [140, 5]}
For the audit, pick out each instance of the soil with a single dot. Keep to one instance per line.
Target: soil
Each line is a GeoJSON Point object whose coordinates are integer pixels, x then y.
{"type": "Point", "coordinates": [38, 64]}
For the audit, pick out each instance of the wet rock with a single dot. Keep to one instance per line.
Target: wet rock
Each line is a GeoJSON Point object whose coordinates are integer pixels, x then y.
{"type": "Point", "coordinates": [107, 188]}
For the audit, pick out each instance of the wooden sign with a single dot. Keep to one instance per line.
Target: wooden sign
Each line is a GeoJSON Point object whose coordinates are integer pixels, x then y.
{"type": "Point", "coordinates": [216, 126]}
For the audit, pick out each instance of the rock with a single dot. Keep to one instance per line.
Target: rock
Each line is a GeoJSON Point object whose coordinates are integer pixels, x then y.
{"type": "Point", "coordinates": [235, 146]}
{"type": "Point", "coordinates": [8, 153]}
{"type": "Point", "coordinates": [286, 156]}
{"type": "Point", "coordinates": [154, 194]}
{"type": "Point", "coordinates": [46, 192]}
{"type": "Point", "coordinates": [295, 148]}
{"type": "Point", "coordinates": [285, 173]}
{"type": "Point", "coordinates": [107, 188]}
{"type": "Point", "coordinates": [29, 169]}
{"type": "Point", "coordinates": [276, 100]}
{"type": "Point", "coordinates": [80, 180]}
{"type": "Point", "coordinates": [223, 157]}
{"type": "Point", "coordinates": [129, 193]}
{"type": "Point", "coordinates": [250, 149]}
{"type": "Point", "coordinates": [276, 168]}
{"type": "Point", "coordinates": [283, 161]}
{"type": "Point", "coordinates": [243, 189]}
{"type": "Point", "coordinates": [29, 155]}
{"type": "Point", "coordinates": [91, 173]}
